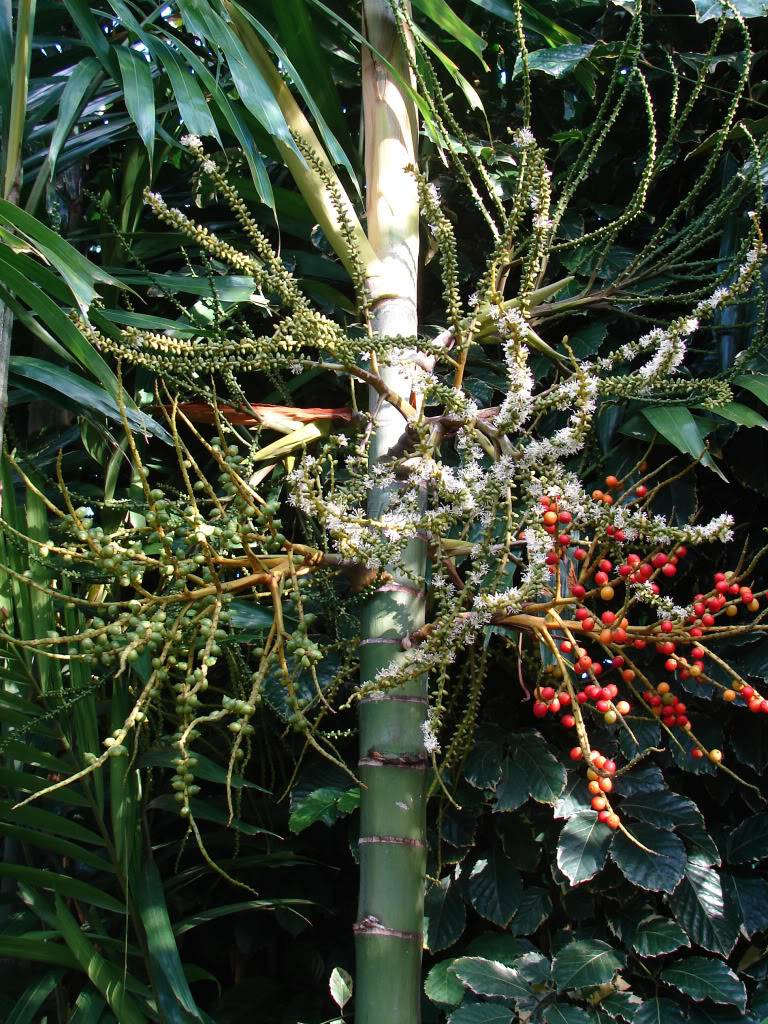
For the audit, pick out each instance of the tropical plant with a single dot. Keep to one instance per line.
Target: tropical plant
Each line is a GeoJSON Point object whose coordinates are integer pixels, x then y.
{"type": "Point", "coordinates": [433, 515]}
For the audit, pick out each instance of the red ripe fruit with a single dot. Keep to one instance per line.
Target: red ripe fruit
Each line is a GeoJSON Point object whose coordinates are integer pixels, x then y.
{"type": "Point", "coordinates": [581, 697]}
{"type": "Point", "coordinates": [669, 570]}
{"type": "Point", "coordinates": [666, 626]}
{"type": "Point", "coordinates": [592, 691]}
{"type": "Point", "coordinates": [734, 588]}
{"type": "Point", "coordinates": [679, 708]}
{"type": "Point", "coordinates": [682, 551]}
{"type": "Point", "coordinates": [655, 588]}
{"type": "Point", "coordinates": [619, 636]}
{"type": "Point", "coordinates": [618, 661]}
{"type": "Point", "coordinates": [597, 668]}
{"type": "Point", "coordinates": [608, 618]}
{"type": "Point", "coordinates": [747, 692]}
{"type": "Point", "coordinates": [722, 586]}
{"type": "Point", "coordinates": [609, 767]}
{"type": "Point", "coordinates": [565, 517]}
{"type": "Point", "coordinates": [719, 576]}
{"type": "Point", "coordinates": [755, 705]}
{"type": "Point", "coordinates": [699, 608]}
{"type": "Point", "coordinates": [578, 590]}
{"type": "Point", "coordinates": [566, 646]}
{"type": "Point", "coordinates": [603, 816]}
{"type": "Point", "coordinates": [552, 559]}
{"type": "Point", "coordinates": [639, 643]}
{"type": "Point", "coordinates": [588, 625]}
{"type": "Point", "coordinates": [667, 647]}
{"type": "Point", "coordinates": [550, 518]}
{"type": "Point", "coordinates": [697, 654]}
{"type": "Point", "coordinates": [605, 565]}
{"type": "Point", "coordinates": [599, 803]}
{"type": "Point", "coordinates": [567, 721]}
{"type": "Point", "coordinates": [696, 631]}
{"type": "Point", "coordinates": [603, 706]}
{"type": "Point", "coordinates": [611, 481]}
{"type": "Point", "coordinates": [564, 539]}
{"type": "Point", "coordinates": [670, 665]}
{"type": "Point", "coordinates": [547, 693]}
{"type": "Point", "coordinates": [764, 707]}
{"type": "Point", "coordinates": [565, 699]}
{"type": "Point", "coordinates": [540, 709]}
{"type": "Point", "coordinates": [707, 619]}
{"type": "Point", "coordinates": [576, 753]}
{"type": "Point", "coordinates": [580, 554]}
{"type": "Point", "coordinates": [554, 706]}
{"type": "Point", "coordinates": [698, 754]}
{"type": "Point", "coordinates": [633, 559]}
{"type": "Point", "coordinates": [625, 570]}
{"type": "Point", "coordinates": [619, 536]}
{"type": "Point", "coordinates": [645, 571]}
{"type": "Point", "coordinates": [659, 559]}
{"type": "Point", "coordinates": [681, 720]}
{"type": "Point", "coordinates": [641, 491]}
{"type": "Point", "coordinates": [601, 578]}
{"type": "Point", "coordinates": [581, 613]}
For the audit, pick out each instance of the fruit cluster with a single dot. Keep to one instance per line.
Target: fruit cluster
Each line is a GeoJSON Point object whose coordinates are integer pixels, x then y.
{"type": "Point", "coordinates": [588, 643]}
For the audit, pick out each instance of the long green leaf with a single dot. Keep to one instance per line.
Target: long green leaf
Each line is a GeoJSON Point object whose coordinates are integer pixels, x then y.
{"type": "Point", "coordinates": [225, 909]}
{"type": "Point", "coordinates": [175, 1000]}
{"type": "Point", "coordinates": [80, 274]}
{"type": "Point", "coordinates": [53, 881]}
{"type": "Point", "coordinates": [36, 950]}
{"type": "Point", "coordinates": [192, 106]}
{"type": "Point", "coordinates": [107, 978]}
{"type": "Point", "coordinates": [27, 1007]}
{"type": "Point", "coordinates": [450, 22]}
{"type": "Point", "coordinates": [63, 847]}
{"type": "Point", "coordinates": [677, 425]}
{"type": "Point", "coordinates": [253, 89]}
{"type": "Point", "coordinates": [77, 391]}
{"type": "Point", "coordinates": [139, 94]}
{"type": "Point", "coordinates": [82, 15]}
{"type": "Point", "coordinates": [81, 84]}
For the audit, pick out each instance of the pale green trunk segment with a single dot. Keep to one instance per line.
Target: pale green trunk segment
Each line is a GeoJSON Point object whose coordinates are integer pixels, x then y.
{"type": "Point", "coordinates": [392, 756]}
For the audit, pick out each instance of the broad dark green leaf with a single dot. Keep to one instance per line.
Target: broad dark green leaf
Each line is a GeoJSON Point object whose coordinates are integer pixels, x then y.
{"type": "Point", "coordinates": [544, 774]}
{"type": "Point", "coordinates": [37, 950]}
{"type": "Point", "coordinates": [750, 895]}
{"type": "Point", "coordinates": [512, 788]}
{"type": "Point", "coordinates": [481, 1013]}
{"type": "Point", "coordinates": [327, 805]}
{"type": "Point", "coordinates": [659, 1011]}
{"type": "Point", "coordinates": [558, 61]}
{"type": "Point", "coordinates": [586, 962]}
{"type": "Point", "coordinates": [736, 412]}
{"type": "Point", "coordinates": [583, 847]}
{"type": "Point", "coordinates": [700, 908]}
{"type": "Point", "coordinates": [495, 887]}
{"type": "Point", "coordinates": [710, 10]}
{"type": "Point", "coordinates": [749, 840]}
{"type": "Point", "coordinates": [660, 871]}
{"type": "Point", "coordinates": [340, 986]}
{"type": "Point", "coordinates": [442, 986]}
{"type": "Point", "coordinates": [209, 810]}
{"type": "Point", "coordinates": [534, 908]}
{"type": "Point", "coordinates": [444, 915]}
{"type": "Point", "coordinates": [483, 766]}
{"type": "Point", "coordinates": [664, 809]}
{"type": "Point", "coordinates": [703, 977]}
{"type": "Point", "coordinates": [565, 1013]}
{"type": "Point", "coordinates": [490, 978]}
{"type": "Point", "coordinates": [658, 935]}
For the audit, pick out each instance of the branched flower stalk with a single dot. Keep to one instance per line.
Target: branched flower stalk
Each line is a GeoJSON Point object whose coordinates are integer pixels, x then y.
{"type": "Point", "coordinates": [453, 518]}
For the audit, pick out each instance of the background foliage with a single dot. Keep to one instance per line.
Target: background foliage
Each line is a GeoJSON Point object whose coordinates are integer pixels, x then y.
{"type": "Point", "coordinates": [106, 914]}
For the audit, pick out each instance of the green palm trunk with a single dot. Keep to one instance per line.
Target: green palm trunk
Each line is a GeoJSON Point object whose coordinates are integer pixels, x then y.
{"type": "Point", "coordinates": [392, 755]}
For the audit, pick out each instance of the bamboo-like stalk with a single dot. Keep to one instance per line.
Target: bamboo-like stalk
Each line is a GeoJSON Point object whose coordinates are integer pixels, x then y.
{"type": "Point", "coordinates": [392, 755]}
{"type": "Point", "coordinates": [11, 149]}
